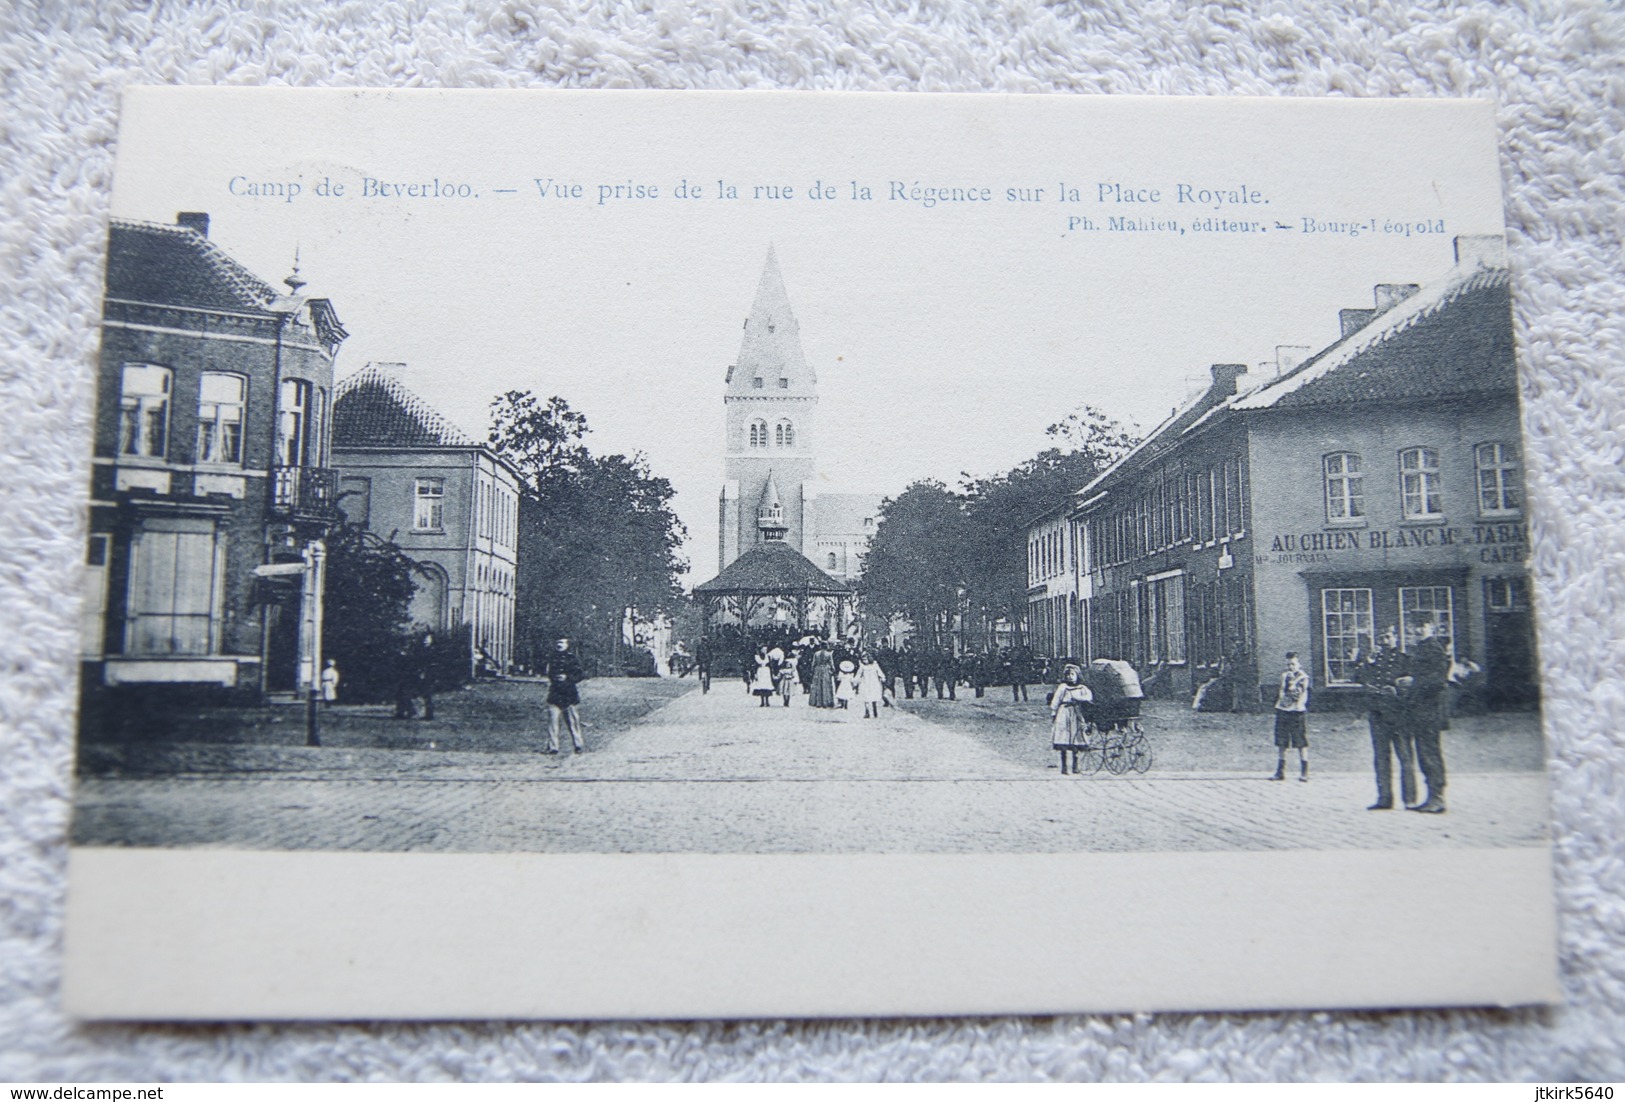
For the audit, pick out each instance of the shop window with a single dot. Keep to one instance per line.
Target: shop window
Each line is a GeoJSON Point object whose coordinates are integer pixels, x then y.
{"type": "Point", "coordinates": [429, 502]}
{"type": "Point", "coordinates": [1345, 487]}
{"type": "Point", "coordinates": [1422, 603]}
{"type": "Point", "coordinates": [1347, 627]}
{"type": "Point", "coordinates": [1500, 491]}
{"type": "Point", "coordinates": [1419, 486]}
{"type": "Point", "coordinates": [220, 418]}
{"type": "Point", "coordinates": [174, 589]}
{"type": "Point", "coordinates": [144, 411]}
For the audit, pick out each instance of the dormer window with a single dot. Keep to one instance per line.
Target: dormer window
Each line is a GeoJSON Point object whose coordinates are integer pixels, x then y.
{"type": "Point", "coordinates": [757, 382]}
{"type": "Point", "coordinates": [784, 384]}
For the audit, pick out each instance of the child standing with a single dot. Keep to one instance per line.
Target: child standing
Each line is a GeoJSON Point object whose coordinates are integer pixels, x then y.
{"type": "Point", "coordinates": [1291, 718]}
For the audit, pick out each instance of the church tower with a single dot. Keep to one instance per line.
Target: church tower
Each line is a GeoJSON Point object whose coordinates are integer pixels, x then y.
{"type": "Point", "coordinates": [770, 398]}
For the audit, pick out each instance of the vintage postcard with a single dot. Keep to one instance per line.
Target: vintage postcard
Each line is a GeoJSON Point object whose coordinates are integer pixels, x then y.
{"type": "Point", "coordinates": [567, 554]}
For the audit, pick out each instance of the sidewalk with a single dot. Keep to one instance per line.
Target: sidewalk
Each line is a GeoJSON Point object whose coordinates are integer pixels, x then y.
{"type": "Point", "coordinates": [715, 773]}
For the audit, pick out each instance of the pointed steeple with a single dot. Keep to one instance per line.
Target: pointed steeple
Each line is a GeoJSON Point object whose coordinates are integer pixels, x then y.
{"type": "Point", "coordinates": [771, 363]}
{"type": "Point", "coordinates": [770, 523]}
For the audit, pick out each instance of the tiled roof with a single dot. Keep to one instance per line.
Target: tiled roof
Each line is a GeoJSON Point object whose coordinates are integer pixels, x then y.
{"type": "Point", "coordinates": [770, 349]}
{"type": "Point", "coordinates": [772, 567]}
{"type": "Point", "coordinates": [178, 266]}
{"type": "Point", "coordinates": [1450, 339]}
{"type": "Point", "coordinates": [374, 409]}
{"type": "Point", "coordinates": [844, 514]}
{"type": "Point", "coordinates": [1453, 338]}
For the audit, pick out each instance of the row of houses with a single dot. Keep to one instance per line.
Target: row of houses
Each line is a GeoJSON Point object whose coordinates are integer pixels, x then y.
{"type": "Point", "coordinates": [1310, 504]}
{"type": "Point", "coordinates": [224, 449]}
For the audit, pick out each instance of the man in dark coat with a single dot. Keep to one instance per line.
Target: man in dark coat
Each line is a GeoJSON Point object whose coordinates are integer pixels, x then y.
{"type": "Point", "coordinates": [1424, 701]}
{"type": "Point", "coordinates": [1379, 673]}
{"type": "Point", "coordinates": [945, 672]}
{"type": "Point", "coordinates": [563, 672]}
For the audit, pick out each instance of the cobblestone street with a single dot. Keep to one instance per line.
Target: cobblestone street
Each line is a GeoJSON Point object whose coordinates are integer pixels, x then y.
{"type": "Point", "coordinates": [715, 773]}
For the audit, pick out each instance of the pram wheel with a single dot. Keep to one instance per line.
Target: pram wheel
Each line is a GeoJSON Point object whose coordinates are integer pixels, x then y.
{"type": "Point", "coordinates": [1089, 760]}
{"type": "Point", "coordinates": [1139, 756]}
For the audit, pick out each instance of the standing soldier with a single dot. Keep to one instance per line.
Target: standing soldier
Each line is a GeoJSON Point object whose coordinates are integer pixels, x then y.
{"type": "Point", "coordinates": [1390, 737]}
{"type": "Point", "coordinates": [563, 672]}
{"type": "Point", "coordinates": [1424, 701]}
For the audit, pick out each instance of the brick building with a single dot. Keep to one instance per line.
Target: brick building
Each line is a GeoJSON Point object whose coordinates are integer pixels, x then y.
{"type": "Point", "coordinates": [1378, 482]}
{"type": "Point", "coordinates": [210, 458]}
{"type": "Point", "coordinates": [446, 500]}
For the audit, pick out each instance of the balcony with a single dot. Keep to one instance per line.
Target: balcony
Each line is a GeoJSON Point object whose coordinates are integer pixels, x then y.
{"type": "Point", "coordinates": [304, 493]}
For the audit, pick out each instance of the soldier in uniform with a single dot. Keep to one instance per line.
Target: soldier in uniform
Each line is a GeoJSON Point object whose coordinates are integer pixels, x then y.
{"type": "Point", "coordinates": [1380, 673]}
{"type": "Point", "coordinates": [1424, 700]}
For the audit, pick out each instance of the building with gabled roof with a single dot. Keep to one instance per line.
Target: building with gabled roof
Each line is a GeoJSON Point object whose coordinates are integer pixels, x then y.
{"type": "Point", "coordinates": [210, 460]}
{"type": "Point", "coordinates": [449, 502]}
{"type": "Point", "coordinates": [1375, 483]}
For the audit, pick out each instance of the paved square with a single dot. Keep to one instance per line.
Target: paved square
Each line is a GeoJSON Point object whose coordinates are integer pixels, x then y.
{"type": "Point", "coordinates": [714, 773]}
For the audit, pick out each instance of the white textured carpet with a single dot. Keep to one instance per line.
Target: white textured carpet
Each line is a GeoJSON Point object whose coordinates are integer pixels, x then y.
{"type": "Point", "coordinates": [1558, 76]}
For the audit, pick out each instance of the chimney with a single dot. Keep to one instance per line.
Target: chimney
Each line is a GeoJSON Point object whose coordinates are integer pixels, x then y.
{"type": "Point", "coordinates": [193, 220]}
{"type": "Point", "coordinates": [1225, 377]}
{"type": "Point", "coordinates": [1481, 250]}
{"type": "Point", "coordinates": [1390, 295]}
{"type": "Point", "coordinates": [1288, 357]}
{"type": "Point", "coordinates": [1352, 321]}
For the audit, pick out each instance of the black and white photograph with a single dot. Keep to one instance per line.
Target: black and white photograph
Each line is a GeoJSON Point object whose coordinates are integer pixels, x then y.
{"type": "Point", "coordinates": [1090, 493]}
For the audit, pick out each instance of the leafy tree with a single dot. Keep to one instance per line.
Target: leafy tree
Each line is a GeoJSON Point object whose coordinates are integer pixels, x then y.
{"type": "Point", "coordinates": [541, 440]}
{"type": "Point", "coordinates": [915, 567]}
{"type": "Point", "coordinates": [1001, 509]}
{"type": "Point", "coordinates": [366, 622]}
{"type": "Point", "coordinates": [937, 552]}
{"type": "Point", "coordinates": [597, 534]}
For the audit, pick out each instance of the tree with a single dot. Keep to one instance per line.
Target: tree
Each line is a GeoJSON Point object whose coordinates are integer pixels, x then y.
{"type": "Point", "coordinates": [597, 534]}
{"type": "Point", "coordinates": [542, 441]}
{"type": "Point", "coordinates": [1001, 509]}
{"type": "Point", "coordinates": [366, 619]}
{"type": "Point", "coordinates": [937, 552]}
{"type": "Point", "coordinates": [915, 564]}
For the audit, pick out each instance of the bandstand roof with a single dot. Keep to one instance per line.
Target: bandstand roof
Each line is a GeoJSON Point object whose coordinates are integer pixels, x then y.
{"type": "Point", "coordinates": [772, 569]}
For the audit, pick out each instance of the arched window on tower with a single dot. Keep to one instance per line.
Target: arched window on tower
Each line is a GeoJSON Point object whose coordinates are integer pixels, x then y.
{"type": "Point", "coordinates": [784, 435]}
{"type": "Point", "coordinates": [758, 433]}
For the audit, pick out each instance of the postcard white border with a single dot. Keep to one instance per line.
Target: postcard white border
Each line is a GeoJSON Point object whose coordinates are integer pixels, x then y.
{"type": "Point", "coordinates": [213, 934]}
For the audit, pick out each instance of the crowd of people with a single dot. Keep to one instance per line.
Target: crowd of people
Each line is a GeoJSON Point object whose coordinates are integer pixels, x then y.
{"type": "Point", "coordinates": [1407, 693]}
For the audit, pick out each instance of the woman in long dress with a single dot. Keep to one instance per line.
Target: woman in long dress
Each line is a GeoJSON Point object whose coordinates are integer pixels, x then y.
{"type": "Point", "coordinates": [871, 687]}
{"type": "Point", "coordinates": [821, 694]}
{"type": "Point", "coordinates": [1068, 705]}
{"type": "Point", "coordinates": [762, 683]}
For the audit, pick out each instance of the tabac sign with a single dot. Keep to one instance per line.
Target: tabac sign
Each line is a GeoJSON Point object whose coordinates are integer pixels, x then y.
{"type": "Point", "coordinates": [1491, 543]}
